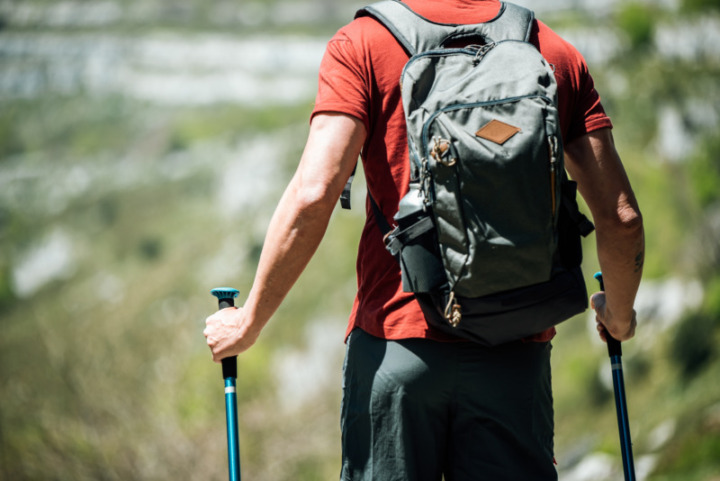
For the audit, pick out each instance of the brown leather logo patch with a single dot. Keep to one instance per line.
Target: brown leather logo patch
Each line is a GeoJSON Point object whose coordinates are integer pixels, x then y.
{"type": "Point", "coordinates": [496, 131]}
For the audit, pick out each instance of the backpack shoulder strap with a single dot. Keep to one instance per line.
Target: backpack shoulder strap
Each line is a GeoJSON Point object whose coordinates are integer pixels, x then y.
{"type": "Point", "coordinates": [418, 34]}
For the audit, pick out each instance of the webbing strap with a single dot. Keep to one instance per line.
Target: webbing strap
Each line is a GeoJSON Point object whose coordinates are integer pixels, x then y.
{"type": "Point", "coordinates": [569, 189]}
{"type": "Point", "coordinates": [379, 216]}
{"type": "Point", "coordinates": [345, 196]}
{"type": "Point", "coordinates": [397, 239]}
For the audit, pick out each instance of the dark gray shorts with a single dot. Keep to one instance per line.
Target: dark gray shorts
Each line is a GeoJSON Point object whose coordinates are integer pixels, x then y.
{"type": "Point", "coordinates": [417, 410]}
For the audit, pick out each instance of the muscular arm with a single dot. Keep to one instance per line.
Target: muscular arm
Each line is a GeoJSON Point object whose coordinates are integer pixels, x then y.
{"type": "Point", "coordinates": [295, 231]}
{"type": "Point", "coordinates": [595, 165]}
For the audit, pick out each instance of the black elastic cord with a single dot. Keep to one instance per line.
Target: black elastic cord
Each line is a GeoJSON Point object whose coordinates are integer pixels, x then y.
{"type": "Point", "coordinates": [379, 217]}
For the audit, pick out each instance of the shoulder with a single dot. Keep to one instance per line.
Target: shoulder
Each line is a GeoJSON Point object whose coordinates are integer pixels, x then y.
{"type": "Point", "coordinates": [571, 70]}
{"type": "Point", "coordinates": [360, 31]}
{"type": "Point", "coordinates": [357, 41]}
{"type": "Point", "coordinates": [554, 47]}
{"type": "Point", "coordinates": [368, 48]}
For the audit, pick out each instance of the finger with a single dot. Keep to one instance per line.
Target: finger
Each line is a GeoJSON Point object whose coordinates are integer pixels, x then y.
{"type": "Point", "coordinates": [218, 356]}
{"type": "Point", "coordinates": [601, 330]}
{"type": "Point", "coordinates": [597, 300]}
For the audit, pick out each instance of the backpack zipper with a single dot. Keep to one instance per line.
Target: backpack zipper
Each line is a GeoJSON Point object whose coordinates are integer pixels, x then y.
{"type": "Point", "coordinates": [470, 50]}
{"type": "Point", "coordinates": [553, 151]}
{"type": "Point", "coordinates": [487, 103]}
{"type": "Point", "coordinates": [476, 51]}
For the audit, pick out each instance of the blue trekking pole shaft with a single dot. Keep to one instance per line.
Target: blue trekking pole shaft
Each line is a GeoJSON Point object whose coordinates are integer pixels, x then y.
{"type": "Point", "coordinates": [225, 296]}
{"type": "Point", "coordinates": [615, 353]}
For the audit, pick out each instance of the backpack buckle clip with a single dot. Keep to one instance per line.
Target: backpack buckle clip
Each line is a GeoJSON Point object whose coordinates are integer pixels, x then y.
{"type": "Point", "coordinates": [392, 243]}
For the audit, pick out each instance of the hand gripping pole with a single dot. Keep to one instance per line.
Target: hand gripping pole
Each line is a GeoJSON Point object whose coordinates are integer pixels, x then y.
{"type": "Point", "coordinates": [615, 353]}
{"type": "Point", "coordinates": [226, 298]}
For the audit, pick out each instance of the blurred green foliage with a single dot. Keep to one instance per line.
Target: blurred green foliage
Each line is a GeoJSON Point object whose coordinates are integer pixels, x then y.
{"type": "Point", "coordinates": [10, 142]}
{"type": "Point", "coordinates": [637, 20]}
{"type": "Point", "coordinates": [7, 298]}
{"type": "Point", "coordinates": [104, 373]}
{"type": "Point", "coordinates": [693, 343]}
{"type": "Point", "coordinates": [701, 5]}
{"type": "Point", "coordinates": [688, 454]}
{"type": "Point", "coordinates": [704, 168]}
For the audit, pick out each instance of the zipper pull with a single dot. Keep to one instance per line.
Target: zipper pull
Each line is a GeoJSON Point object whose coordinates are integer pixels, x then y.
{"type": "Point", "coordinates": [425, 183]}
{"type": "Point", "coordinates": [453, 311]}
{"type": "Point", "coordinates": [438, 151]}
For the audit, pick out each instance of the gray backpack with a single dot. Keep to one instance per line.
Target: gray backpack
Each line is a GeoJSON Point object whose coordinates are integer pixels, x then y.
{"type": "Point", "coordinates": [488, 237]}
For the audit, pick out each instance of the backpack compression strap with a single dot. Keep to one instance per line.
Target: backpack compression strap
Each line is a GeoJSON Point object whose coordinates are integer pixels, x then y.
{"type": "Point", "coordinates": [418, 34]}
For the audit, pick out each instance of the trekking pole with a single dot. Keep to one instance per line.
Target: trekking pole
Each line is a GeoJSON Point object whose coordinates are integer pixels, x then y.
{"type": "Point", "coordinates": [615, 353]}
{"type": "Point", "coordinates": [226, 296]}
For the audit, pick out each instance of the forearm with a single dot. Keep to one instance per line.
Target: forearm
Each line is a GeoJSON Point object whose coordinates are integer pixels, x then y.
{"type": "Point", "coordinates": [621, 252]}
{"type": "Point", "coordinates": [303, 213]}
{"type": "Point", "coordinates": [295, 231]}
{"type": "Point", "coordinates": [594, 163]}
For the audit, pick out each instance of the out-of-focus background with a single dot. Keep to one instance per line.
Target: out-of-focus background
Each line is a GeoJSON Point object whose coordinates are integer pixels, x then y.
{"type": "Point", "coordinates": [143, 145]}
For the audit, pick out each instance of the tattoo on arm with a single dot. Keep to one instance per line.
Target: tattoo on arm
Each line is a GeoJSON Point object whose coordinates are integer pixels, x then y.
{"type": "Point", "coordinates": [639, 261]}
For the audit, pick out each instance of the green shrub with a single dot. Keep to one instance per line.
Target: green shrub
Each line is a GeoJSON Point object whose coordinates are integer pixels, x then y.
{"type": "Point", "coordinates": [704, 170]}
{"type": "Point", "coordinates": [638, 23]}
{"type": "Point", "coordinates": [712, 298]}
{"type": "Point", "coordinates": [150, 248]}
{"type": "Point", "coordinates": [693, 345]}
{"type": "Point", "coordinates": [598, 393]}
{"type": "Point", "coordinates": [10, 141]}
{"type": "Point", "coordinates": [6, 295]}
{"type": "Point", "coordinates": [693, 454]}
{"type": "Point", "coordinates": [700, 5]}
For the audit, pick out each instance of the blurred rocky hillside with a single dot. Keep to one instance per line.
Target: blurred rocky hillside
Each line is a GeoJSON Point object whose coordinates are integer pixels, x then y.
{"type": "Point", "coordinates": [143, 145]}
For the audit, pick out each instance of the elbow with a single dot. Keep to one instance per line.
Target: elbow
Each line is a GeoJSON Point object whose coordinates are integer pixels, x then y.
{"type": "Point", "coordinates": [314, 199]}
{"type": "Point", "coordinates": [625, 221]}
{"type": "Point", "coordinates": [630, 219]}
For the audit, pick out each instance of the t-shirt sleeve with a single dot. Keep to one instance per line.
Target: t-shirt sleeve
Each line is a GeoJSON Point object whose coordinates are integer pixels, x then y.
{"type": "Point", "coordinates": [588, 112]}
{"type": "Point", "coordinates": [342, 80]}
{"type": "Point", "coordinates": [581, 110]}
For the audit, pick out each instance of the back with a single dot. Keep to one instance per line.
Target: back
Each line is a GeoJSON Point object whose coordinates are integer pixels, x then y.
{"type": "Point", "coordinates": [359, 77]}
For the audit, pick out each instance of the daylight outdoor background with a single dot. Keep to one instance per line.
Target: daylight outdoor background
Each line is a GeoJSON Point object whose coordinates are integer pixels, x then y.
{"type": "Point", "coordinates": [143, 145]}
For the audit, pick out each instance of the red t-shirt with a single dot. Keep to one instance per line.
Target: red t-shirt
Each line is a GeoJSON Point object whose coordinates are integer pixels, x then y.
{"type": "Point", "coordinates": [359, 76]}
